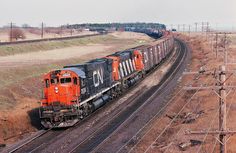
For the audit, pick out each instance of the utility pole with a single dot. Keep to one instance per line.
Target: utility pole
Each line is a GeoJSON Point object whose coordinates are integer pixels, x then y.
{"type": "Point", "coordinates": [178, 27]}
{"type": "Point", "coordinates": [11, 32]}
{"type": "Point", "coordinates": [221, 87]}
{"type": "Point", "coordinates": [42, 29]}
{"type": "Point", "coordinates": [225, 50]}
{"type": "Point", "coordinates": [212, 41]}
{"type": "Point", "coordinates": [222, 112]}
{"type": "Point", "coordinates": [202, 27]}
{"type": "Point", "coordinates": [223, 45]}
{"type": "Point", "coordinates": [216, 45]}
{"type": "Point", "coordinates": [61, 31]}
{"type": "Point", "coordinates": [189, 29]}
{"type": "Point", "coordinates": [207, 30]}
{"type": "Point", "coordinates": [183, 27]}
{"type": "Point", "coordinates": [196, 26]}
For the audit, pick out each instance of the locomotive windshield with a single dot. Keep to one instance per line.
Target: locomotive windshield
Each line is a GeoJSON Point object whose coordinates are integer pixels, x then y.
{"type": "Point", "coordinates": [54, 80]}
{"type": "Point", "coordinates": [65, 80]}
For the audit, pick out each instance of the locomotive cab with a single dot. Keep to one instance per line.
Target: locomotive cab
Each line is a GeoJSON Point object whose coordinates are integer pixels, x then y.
{"type": "Point", "coordinates": [61, 88]}
{"type": "Point", "coordinates": [61, 94]}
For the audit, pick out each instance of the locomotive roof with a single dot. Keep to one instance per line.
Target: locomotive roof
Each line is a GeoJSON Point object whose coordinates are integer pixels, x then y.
{"type": "Point", "coordinates": [79, 72]}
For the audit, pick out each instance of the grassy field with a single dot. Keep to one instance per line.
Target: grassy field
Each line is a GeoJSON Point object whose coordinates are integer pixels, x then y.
{"type": "Point", "coordinates": [42, 46]}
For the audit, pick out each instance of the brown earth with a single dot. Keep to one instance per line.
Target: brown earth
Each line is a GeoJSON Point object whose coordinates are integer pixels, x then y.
{"type": "Point", "coordinates": [21, 73]}
{"type": "Point", "coordinates": [203, 106]}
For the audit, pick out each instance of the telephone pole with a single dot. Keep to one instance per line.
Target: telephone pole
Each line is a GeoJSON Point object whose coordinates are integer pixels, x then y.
{"type": "Point", "coordinates": [61, 31]}
{"type": "Point", "coordinates": [222, 112]}
{"type": "Point", "coordinates": [42, 29]}
{"type": "Point", "coordinates": [222, 36]}
{"type": "Point", "coordinates": [71, 31]}
{"type": "Point", "coordinates": [221, 93]}
{"type": "Point", "coordinates": [183, 27]}
{"type": "Point", "coordinates": [189, 29]}
{"type": "Point", "coordinates": [11, 32]}
{"type": "Point", "coordinates": [207, 30]}
{"type": "Point", "coordinates": [196, 26]}
{"type": "Point", "coordinates": [216, 45]}
{"type": "Point", "coordinates": [202, 27]}
{"type": "Point", "coordinates": [225, 49]}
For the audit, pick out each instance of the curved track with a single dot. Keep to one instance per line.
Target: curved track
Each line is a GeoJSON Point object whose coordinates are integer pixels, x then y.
{"type": "Point", "coordinates": [83, 138]}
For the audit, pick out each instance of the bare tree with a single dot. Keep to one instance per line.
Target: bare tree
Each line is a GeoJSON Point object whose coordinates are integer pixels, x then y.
{"type": "Point", "coordinates": [16, 34]}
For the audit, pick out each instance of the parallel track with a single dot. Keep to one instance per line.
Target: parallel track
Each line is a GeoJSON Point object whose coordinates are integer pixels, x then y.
{"type": "Point", "coordinates": [27, 141]}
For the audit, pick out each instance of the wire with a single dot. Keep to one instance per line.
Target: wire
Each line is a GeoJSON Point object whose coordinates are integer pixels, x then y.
{"type": "Point", "coordinates": [226, 115]}
{"type": "Point", "coordinates": [151, 121]}
{"type": "Point", "coordinates": [173, 119]}
{"type": "Point", "coordinates": [208, 130]}
{"type": "Point", "coordinates": [155, 116]}
{"type": "Point", "coordinates": [179, 92]}
{"type": "Point", "coordinates": [183, 127]}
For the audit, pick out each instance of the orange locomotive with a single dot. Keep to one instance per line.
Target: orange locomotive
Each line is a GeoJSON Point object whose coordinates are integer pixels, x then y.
{"type": "Point", "coordinates": [75, 91]}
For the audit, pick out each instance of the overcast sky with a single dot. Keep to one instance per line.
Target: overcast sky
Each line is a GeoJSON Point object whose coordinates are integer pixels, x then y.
{"type": "Point", "coordinates": [57, 12]}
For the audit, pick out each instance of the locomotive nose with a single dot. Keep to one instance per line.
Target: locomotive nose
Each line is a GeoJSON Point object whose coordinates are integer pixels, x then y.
{"type": "Point", "coordinates": [56, 90]}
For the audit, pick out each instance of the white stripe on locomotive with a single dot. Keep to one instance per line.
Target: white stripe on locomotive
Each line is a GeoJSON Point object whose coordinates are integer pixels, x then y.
{"type": "Point", "coordinates": [126, 73]}
{"type": "Point", "coordinates": [128, 67]}
{"type": "Point", "coordinates": [131, 65]}
{"type": "Point", "coordinates": [134, 63]}
{"type": "Point", "coordinates": [97, 77]}
{"type": "Point", "coordinates": [121, 70]}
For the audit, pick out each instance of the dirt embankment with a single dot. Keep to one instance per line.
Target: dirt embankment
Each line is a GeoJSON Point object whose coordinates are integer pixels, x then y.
{"type": "Point", "coordinates": [22, 66]}
{"type": "Point", "coordinates": [200, 111]}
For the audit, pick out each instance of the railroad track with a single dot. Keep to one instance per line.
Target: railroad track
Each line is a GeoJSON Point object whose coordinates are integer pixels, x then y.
{"type": "Point", "coordinates": [49, 39]}
{"type": "Point", "coordinates": [16, 147]}
{"type": "Point", "coordinates": [101, 139]}
{"type": "Point", "coordinates": [87, 141]}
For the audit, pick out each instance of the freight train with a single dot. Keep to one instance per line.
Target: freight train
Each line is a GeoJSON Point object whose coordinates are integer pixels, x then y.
{"type": "Point", "coordinates": [75, 91]}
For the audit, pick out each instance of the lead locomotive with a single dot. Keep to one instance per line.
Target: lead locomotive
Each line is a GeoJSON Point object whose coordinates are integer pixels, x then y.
{"type": "Point", "coordinates": [75, 91]}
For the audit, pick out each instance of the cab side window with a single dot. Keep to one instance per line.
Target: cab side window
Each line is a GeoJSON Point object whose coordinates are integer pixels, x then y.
{"type": "Point", "coordinates": [75, 80]}
{"type": "Point", "coordinates": [47, 83]}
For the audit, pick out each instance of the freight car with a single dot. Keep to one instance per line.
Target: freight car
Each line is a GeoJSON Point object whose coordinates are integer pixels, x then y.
{"type": "Point", "coordinates": [75, 91]}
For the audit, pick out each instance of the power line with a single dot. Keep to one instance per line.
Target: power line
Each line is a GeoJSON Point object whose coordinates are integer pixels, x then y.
{"type": "Point", "coordinates": [221, 93]}
{"type": "Point", "coordinates": [42, 30]}
{"type": "Point", "coordinates": [226, 115]}
{"type": "Point", "coordinates": [182, 128]}
{"type": "Point", "coordinates": [179, 92]}
{"type": "Point", "coordinates": [175, 117]}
